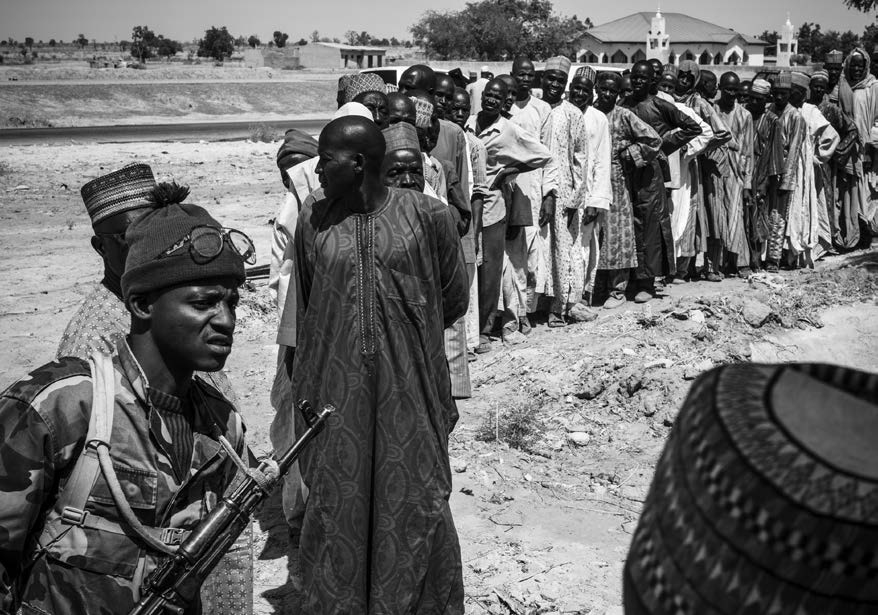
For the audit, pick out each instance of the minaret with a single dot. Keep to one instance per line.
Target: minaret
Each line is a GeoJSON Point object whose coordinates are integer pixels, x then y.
{"type": "Point", "coordinates": [658, 41]}
{"type": "Point", "coordinates": [787, 44]}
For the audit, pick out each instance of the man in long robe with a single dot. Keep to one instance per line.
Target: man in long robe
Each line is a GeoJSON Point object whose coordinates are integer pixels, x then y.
{"type": "Point", "coordinates": [700, 232]}
{"type": "Point", "coordinates": [845, 167]}
{"type": "Point", "coordinates": [858, 97]}
{"type": "Point", "coordinates": [380, 273]}
{"type": "Point", "coordinates": [683, 192]}
{"type": "Point", "coordinates": [635, 145]}
{"type": "Point", "coordinates": [568, 142]}
{"type": "Point", "coordinates": [808, 222]}
{"type": "Point", "coordinates": [536, 189]}
{"type": "Point", "coordinates": [652, 222]}
{"type": "Point", "coordinates": [793, 133]}
{"type": "Point", "coordinates": [735, 184]}
{"type": "Point", "coordinates": [597, 173]}
{"type": "Point", "coordinates": [768, 167]}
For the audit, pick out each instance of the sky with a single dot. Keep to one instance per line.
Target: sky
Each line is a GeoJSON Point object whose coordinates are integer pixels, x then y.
{"type": "Point", "coordinates": [112, 20]}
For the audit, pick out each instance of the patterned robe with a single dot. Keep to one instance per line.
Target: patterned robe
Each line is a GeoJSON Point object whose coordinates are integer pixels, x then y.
{"type": "Point", "coordinates": [814, 224]}
{"type": "Point", "coordinates": [739, 154]}
{"type": "Point", "coordinates": [568, 142]}
{"type": "Point", "coordinates": [793, 133]}
{"type": "Point", "coordinates": [768, 164]}
{"type": "Point", "coordinates": [376, 291]}
{"type": "Point", "coordinates": [635, 145]}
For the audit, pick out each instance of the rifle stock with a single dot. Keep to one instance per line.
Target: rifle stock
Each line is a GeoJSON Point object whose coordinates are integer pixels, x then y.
{"type": "Point", "coordinates": [177, 581]}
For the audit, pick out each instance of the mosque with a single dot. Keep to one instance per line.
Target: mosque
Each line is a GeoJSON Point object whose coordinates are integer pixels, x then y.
{"type": "Point", "coordinates": [674, 37]}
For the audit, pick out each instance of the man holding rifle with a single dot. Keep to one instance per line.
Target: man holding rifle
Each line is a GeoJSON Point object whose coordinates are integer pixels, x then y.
{"type": "Point", "coordinates": [107, 465]}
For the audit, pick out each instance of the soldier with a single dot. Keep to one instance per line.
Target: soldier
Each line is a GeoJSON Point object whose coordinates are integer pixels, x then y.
{"type": "Point", "coordinates": [80, 539]}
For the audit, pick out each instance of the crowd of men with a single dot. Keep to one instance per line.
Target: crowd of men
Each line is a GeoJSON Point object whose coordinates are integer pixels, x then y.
{"type": "Point", "coordinates": [429, 220]}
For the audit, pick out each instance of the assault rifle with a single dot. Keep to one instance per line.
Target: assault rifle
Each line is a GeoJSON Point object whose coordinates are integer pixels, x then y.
{"type": "Point", "coordinates": [175, 584]}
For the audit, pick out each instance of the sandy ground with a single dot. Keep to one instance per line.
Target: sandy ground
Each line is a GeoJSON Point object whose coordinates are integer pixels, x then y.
{"type": "Point", "coordinates": [544, 523]}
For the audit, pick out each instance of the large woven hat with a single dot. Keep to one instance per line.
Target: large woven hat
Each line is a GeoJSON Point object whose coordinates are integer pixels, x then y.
{"type": "Point", "coordinates": [765, 499]}
{"type": "Point", "coordinates": [122, 190]}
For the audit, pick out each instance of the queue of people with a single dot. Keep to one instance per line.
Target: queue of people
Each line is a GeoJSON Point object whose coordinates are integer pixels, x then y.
{"type": "Point", "coordinates": [414, 233]}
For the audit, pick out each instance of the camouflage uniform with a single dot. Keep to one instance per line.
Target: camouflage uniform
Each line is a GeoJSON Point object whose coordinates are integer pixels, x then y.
{"type": "Point", "coordinates": [44, 421]}
{"type": "Point", "coordinates": [98, 325]}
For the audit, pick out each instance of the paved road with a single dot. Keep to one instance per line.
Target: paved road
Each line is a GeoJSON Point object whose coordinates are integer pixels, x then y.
{"type": "Point", "coordinates": [192, 131]}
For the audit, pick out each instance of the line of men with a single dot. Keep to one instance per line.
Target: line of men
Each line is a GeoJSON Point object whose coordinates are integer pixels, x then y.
{"type": "Point", "coordinates": [408, 228]}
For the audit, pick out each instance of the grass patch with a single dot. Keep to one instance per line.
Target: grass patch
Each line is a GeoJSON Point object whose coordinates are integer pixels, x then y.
{"type": "Point", "coordinates": [518, 424]}
{"type": "Point", "coordinates": [264, 133]}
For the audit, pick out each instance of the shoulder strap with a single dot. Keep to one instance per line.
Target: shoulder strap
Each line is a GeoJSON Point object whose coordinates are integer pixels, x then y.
{"type": "Point", "coordinates": [95, 458]}
{"type": "Point", "coordinates": [72, 499]}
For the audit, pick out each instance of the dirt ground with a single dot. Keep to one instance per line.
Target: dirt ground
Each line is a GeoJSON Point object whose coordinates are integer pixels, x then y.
{"type": "Point", "coordinates": [552, 456]}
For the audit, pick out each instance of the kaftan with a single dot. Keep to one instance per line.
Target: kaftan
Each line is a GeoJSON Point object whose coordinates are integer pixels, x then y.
{"type": "Point", "coordinates": [635, 145]}
{"type": "Point", "coordinates": [568, 142]}
{"type": "Point", "coordinates": [375, 292]}
{"type": "Point", "coordinates": [739, 156]}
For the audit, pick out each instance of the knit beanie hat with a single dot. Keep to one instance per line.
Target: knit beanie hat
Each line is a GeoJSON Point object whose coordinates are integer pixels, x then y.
{"type": "Point", "coordinates": [154, 233]}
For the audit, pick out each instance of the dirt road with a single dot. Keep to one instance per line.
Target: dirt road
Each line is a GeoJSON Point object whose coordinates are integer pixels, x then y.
{"type": "Point", "coordinates": [545, 513]}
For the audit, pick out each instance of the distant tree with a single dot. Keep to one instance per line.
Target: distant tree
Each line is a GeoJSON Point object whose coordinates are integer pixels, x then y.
{"type": "Point", "coordinates": [408, 45]}
{"type": "Point", "coordinates": [29, 42]}
{"type": "Point", "coordinates": [301, 42]}
{"type": "Point", "coordinates": [350, 37]}
{"type": "Point", "coordinates": [315, 36]}
{"type": "Point", "coordinates": [381, 42]}
{"type": "Point", "coordinates": [498, 29]}
{"type": "Point", "coordinates": [280, 38]}
{"type": "Point", "coordinates": [52, 43]}
{"type": "Point", "coordinates": [82, 41]}
{"type": "Point", "coordinates": [771, 38]}
{"type": "Point", "coordinates": [23, 51]}
{"type": "Point", "coordinates": [336, 40]}
{"type": "Point", "coordinates": [240, 41]}
{"type": "Point", "coordinates": [867, 6]}
{"type": "Point", "coordinates": [143, 43]}
{"type": "Point", "coordinates": [217, 44]}
{"type": "Point", "coordinates": [869, 39]}
{"type": "Point", "coordinates": [253, 41]}
{"type": "Point", "coordinates": [326, 39]}
{"type": "Point", "coordinates": [34, 55]}
{"type": "Point", "coordinates": [166, 47]}
{"type": "Point", "coordinates": [123, 46]}
{"type": "Point", "coordinates": [394, 42]}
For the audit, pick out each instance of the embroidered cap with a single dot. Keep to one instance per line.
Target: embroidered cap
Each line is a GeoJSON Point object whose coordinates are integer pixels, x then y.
{"type": "Point", "coordinates": [122, 190]}
{"type": "Point", "coordinates": [765, 499]}
{"type": "Point", "coordinates": [760, 86]}
{"type": "Point", "coordinates": [802, 80]}
{"type": "Point", "coordinates": [401, 135]}
{"type": "Point", "coordinates": [559, 63]}
{"type": "Point", "coordinates": [834, 57]}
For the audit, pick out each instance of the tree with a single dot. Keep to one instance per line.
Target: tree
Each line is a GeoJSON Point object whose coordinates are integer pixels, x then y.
{"type": "Point", "coordinates": [52, 42]}
{"type": "Point", "coordinates": [394, 42]}
{"type": "Point", "coordinates": [869, 39]}
{"type": "Point", "coordinates": [143, 41]}
{"type": "Point", "coordinates": [167, 47]}
{"type": "Point", "coordinates": [350, 37]}
{"type": "Point", "coordinates": [240, 41]}
{"type": "Point", "coordinates": [82, 41]}
{"type": "Point", "coordinates": [771, 38]}
{"type": "Point", "coordinates": [315, 36]}
{"type": "Point", "coordinates": [253, 41]}
{"type": "Point", "coordinates": [867, 6]}
{"type": "Point", "coordinates": [301, 42]}
{"type": "Point", "coordinates": [498, 30]}
{"type": "Point", "coordinates": [29, 42]}
{"type": "Point", "coordinates": [217, 44]}
{"type": "Point", "coordinates": [280, 38]}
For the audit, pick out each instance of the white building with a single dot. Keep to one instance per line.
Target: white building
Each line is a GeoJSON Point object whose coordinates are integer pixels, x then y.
{"type": "Point", "coordinates": [787, 44]}
{"type": "Point", "coordinates": [671, 37]}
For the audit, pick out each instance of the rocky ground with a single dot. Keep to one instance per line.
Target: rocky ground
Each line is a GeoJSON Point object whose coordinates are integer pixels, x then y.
{"type": "Point", "coordinates": [553, 455]}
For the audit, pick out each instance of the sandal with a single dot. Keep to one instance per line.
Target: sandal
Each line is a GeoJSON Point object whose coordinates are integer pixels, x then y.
{"type": "Point", "coordinates": [556, 321]}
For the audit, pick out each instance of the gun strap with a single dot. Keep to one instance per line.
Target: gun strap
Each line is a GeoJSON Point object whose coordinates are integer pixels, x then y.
{"type": "Point", "coordinates": [265, 482]}
{"type": "Point", "coordinates": [95, 459]}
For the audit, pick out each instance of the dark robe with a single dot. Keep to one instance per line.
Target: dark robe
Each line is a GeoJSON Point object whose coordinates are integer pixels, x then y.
{"type": "Point", "coordinates": [652, 217]}
{"type": "Point", "coordinates": [376, 291]}
{"type": "Point", "coordinates": [840, 178]}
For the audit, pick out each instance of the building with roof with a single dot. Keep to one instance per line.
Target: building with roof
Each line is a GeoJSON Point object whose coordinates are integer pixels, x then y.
{"type": "Point", "coordinates": [671, 37]}
{"type": "Point", "coordinates": [338, 55]}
